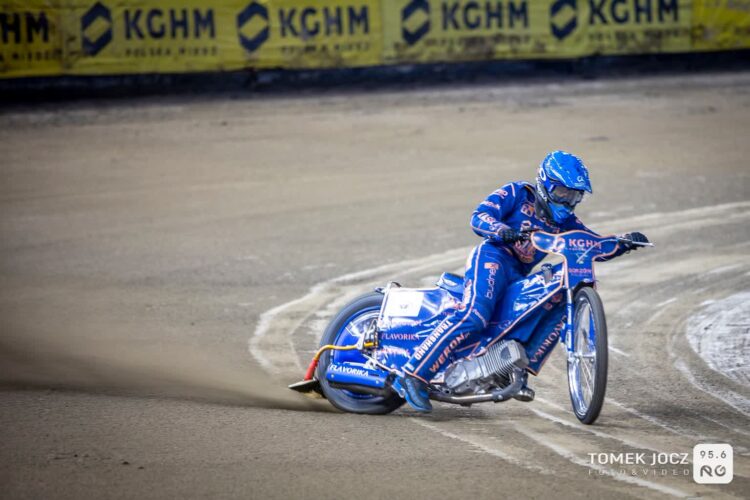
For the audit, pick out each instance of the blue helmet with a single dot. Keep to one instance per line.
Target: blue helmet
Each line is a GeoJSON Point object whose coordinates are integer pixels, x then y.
{"type": "Point", "coordinates": [561, 182]}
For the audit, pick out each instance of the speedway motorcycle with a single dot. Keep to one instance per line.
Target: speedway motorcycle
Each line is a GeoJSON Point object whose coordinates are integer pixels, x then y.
{"type": "Point", "coordinates": [365, 345]}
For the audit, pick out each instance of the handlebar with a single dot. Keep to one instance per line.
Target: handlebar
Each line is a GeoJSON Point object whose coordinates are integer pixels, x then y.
{"type": "Point", "coordinates": [530, 230]}
{"type": "Point", "coordinates": [636, 243]}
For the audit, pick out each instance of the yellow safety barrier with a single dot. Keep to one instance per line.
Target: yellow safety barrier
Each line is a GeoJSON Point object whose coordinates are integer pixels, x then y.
{"type": "Point", "coordinates": [721, 25]}
{"type": "Point", "coordinates": [103, 37]}
{"type": "Point", "coordinates": [31, 38]}
{"type": "Point", "coordinates": [429, 30]}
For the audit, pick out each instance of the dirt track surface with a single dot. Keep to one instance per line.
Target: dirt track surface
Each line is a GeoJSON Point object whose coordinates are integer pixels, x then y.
{"type": "Point", "coordinates": [166, 265]}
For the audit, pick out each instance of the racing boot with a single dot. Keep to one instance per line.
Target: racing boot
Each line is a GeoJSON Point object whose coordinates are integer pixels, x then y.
{"type": "Point", "coordinates": [525, 393]}
{"type": "Point", "coordinates": [414, 391]}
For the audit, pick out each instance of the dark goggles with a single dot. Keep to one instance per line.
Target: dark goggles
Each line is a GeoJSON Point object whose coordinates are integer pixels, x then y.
{"type": "Point", "coordinates": [561, 194]}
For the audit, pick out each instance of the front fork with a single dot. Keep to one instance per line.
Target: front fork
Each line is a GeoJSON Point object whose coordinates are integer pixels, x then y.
{"type": "Point", "coordinates": [568, 330]}
{"type": "Point", "coordinates": [567, 335]}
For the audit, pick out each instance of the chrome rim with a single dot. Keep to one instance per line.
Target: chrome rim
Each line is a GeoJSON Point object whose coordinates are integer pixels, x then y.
{"type": "Point", "coordinates": [358, 325]}
{"type": "Point", "coordinates": [582, 361]}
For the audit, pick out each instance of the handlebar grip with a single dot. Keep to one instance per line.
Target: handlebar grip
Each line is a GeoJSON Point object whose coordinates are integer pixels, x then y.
{"type": "Point", "coordinates": [636, 243]}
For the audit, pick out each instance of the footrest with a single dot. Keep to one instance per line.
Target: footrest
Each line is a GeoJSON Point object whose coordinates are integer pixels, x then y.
{"type": "Point", "coordinates": [310, 388]}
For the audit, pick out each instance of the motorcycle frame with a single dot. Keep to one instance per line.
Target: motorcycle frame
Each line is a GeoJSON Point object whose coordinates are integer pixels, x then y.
{"type": "Point", "coordinates": [578, 249]}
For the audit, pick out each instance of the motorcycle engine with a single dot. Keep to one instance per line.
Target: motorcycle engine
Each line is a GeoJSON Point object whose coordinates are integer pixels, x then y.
{"type": "Point", "coordinates": [492, 369]}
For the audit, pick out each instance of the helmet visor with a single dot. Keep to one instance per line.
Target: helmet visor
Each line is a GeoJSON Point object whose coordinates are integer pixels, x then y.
{"type": "Point", "coordinates": [561, 194]}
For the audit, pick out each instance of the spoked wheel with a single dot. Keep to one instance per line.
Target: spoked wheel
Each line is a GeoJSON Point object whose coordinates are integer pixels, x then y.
{"type": "Point", "coordinates": [587, 364]}
{"type": "Point", "coordinates": [345, 328]}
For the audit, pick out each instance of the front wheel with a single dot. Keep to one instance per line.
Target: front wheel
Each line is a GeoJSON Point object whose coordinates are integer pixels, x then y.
{"type": "Point", "coordinates": [587, 363]}
{"type": "Point", "coordinates": [354, 319]}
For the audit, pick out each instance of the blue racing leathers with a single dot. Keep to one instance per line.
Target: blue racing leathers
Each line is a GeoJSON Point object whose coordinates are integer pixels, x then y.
{"type": "Point", "coordinates": [491, 266]}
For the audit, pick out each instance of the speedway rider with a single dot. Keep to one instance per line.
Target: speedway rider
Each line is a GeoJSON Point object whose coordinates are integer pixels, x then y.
{"type": "Point", "coordinates": [505, 255]}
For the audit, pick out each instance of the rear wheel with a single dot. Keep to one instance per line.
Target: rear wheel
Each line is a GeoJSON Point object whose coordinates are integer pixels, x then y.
{"type": "Point", "coordinates": [353, 319]}
{"type": "Point", "coordinates": [587, 364]}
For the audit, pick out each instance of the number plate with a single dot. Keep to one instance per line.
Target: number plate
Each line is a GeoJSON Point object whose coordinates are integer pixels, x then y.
{"type": "Point", "coordinates": [404, 303]}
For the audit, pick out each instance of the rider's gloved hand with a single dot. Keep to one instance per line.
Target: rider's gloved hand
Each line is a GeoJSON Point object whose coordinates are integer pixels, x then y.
{"type": "Point", "coordinates": [511, 235]}
{"type": "Point", "coordinates": [636, 237]}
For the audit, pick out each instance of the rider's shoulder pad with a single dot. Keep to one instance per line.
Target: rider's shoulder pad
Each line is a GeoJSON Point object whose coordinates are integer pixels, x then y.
{"type": "Point", "coordinates": [511, 189]}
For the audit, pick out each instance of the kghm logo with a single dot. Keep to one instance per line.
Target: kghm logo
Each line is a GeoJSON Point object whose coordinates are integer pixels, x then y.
{"type": "Point", "coordinates": [563, 16]}
{"type": "Point", "coordinates": [96, 29]}
{"type": "Point", "coordinates": [415, 21]}
{"type": "Point", "coordinates": [24, 27]}
{"type": "Point", "coordinates": [252, 26]}
{"type": "Point", "coordinates": [308, 24]}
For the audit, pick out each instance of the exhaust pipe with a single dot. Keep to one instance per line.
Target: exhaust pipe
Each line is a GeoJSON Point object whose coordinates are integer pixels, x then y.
{"type": "Point", "coordinates": [496, 396]}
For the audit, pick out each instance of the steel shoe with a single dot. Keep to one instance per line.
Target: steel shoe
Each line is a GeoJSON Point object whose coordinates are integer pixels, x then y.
{"type": "Point", "coordinates": [525, 394]}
